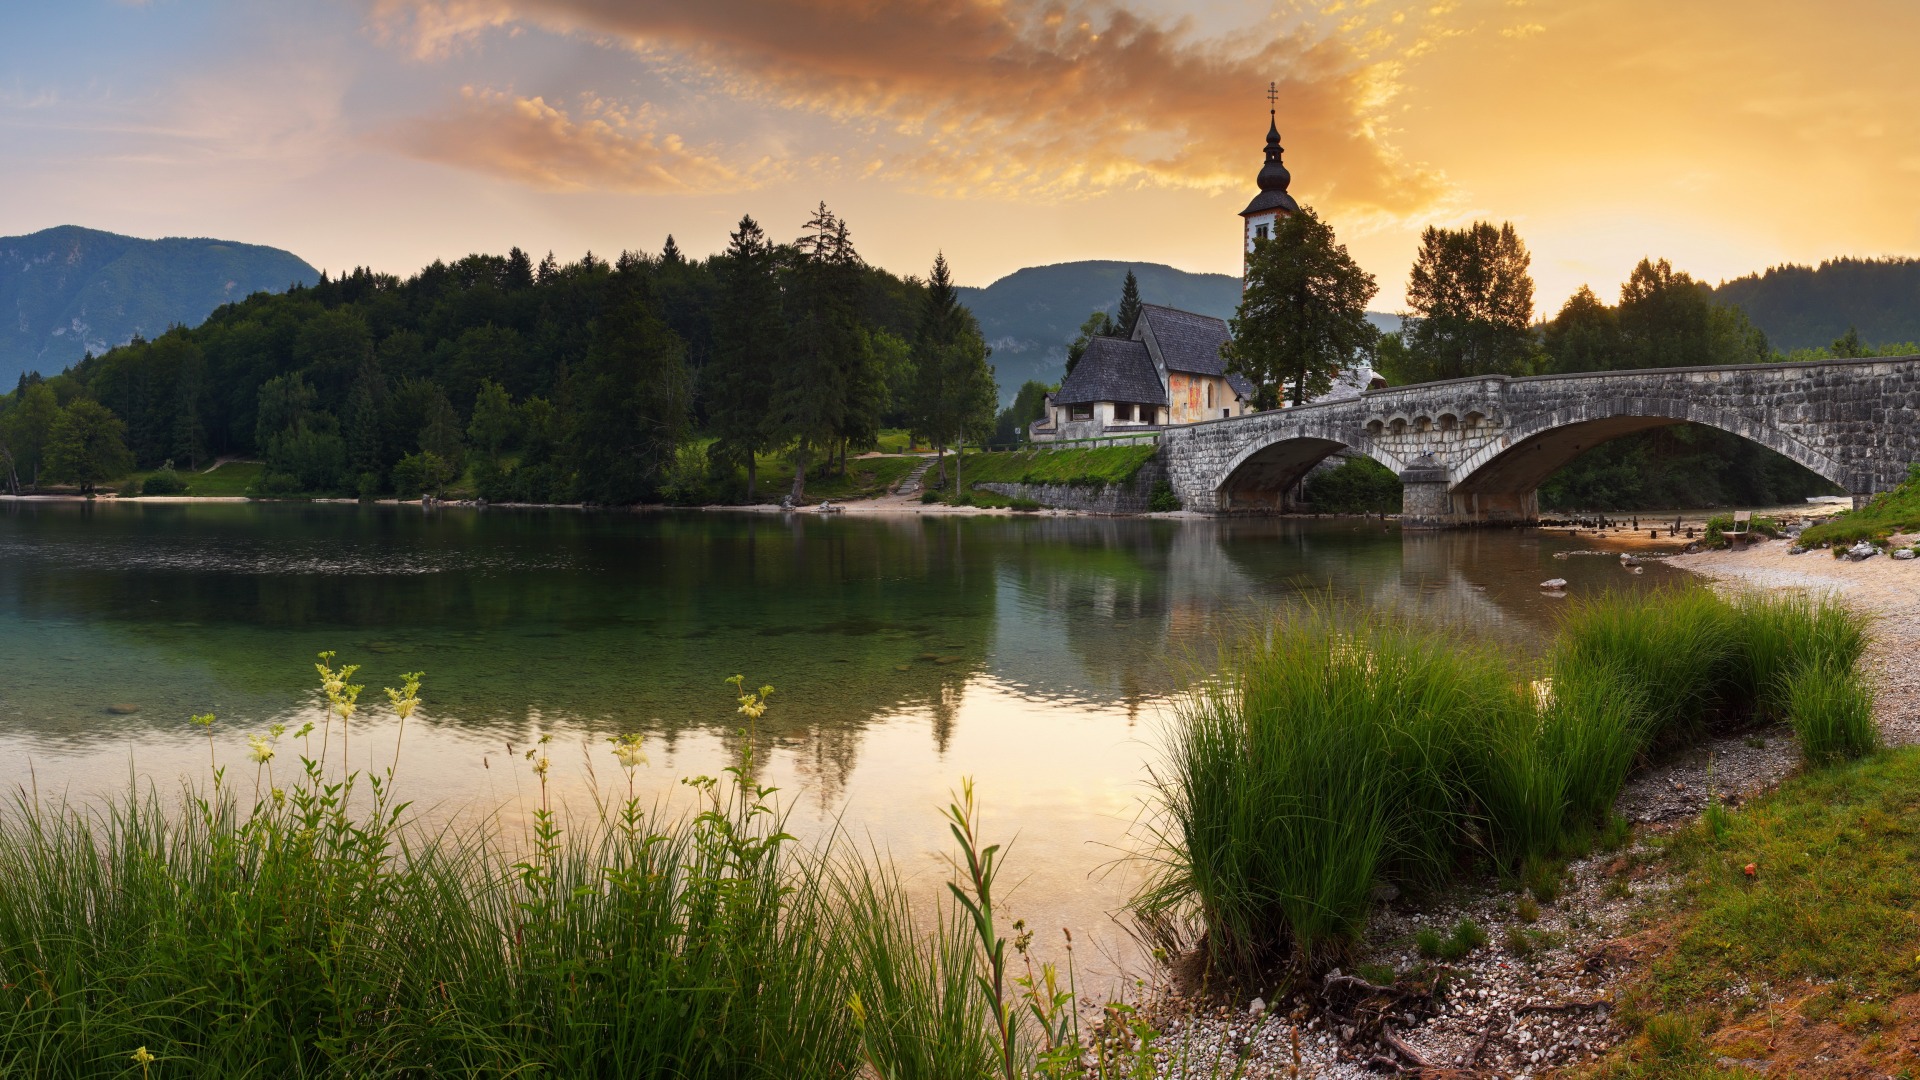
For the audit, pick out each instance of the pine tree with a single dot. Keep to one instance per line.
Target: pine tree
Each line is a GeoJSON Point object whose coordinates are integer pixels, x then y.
{"type": "Point", "coordinates": [670, 253]}
{"type": "Point", "coordinates": [1129, 314]}
{"type": "Point", "coordinates": [748, 332]}
{"type": "Point", "coordinates": [954, 394]}
{"type": "Point", "coordinates": [824, 341]}
{"type": "Point", "coordinates": [366, 408]}
{"type": "Point", "coordinates": [519, 270]}
{"type": "Point", "coordinates": [631, 401]}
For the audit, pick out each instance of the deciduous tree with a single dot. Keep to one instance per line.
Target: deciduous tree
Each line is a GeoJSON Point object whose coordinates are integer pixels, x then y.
{"type": "Point", "coordinates": [88, 444]}
{"type": "Point", "coordinates": [1303, 315]}
{"type": "Point", "coordinates": [1471, 295]}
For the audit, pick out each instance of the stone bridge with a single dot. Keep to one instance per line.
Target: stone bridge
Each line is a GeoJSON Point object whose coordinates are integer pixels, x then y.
{"type": "Point", "coordinates": [1475, 451]}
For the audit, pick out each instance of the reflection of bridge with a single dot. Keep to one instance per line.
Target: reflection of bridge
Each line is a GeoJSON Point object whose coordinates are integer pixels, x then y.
{"type": "Point", "coordinates": [1476, 450]}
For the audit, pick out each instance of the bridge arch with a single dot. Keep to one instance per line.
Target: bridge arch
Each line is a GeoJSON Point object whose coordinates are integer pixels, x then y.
{"type": "Point", "coordinates": [1262, 473]}
{"type": "Point", "coordinates": [1534, 448]}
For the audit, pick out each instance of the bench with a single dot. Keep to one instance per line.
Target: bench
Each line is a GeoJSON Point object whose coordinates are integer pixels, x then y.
{"type": "Point", "coordinates": [1742, 532]}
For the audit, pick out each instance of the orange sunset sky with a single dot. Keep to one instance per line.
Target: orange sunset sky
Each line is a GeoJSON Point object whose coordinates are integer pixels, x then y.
{"type": "Point", "coordinates": [1727, 135]}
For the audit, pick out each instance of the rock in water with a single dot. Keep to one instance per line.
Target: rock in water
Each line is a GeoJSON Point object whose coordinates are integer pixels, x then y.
{"type": "Point", "coordinates": [1554, 583]}
{"type": "Point", "coordinates": [123, 709]}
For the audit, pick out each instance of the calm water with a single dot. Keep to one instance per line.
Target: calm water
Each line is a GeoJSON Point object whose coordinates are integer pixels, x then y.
{"type": "Point", "coordinates": [1035, 655]}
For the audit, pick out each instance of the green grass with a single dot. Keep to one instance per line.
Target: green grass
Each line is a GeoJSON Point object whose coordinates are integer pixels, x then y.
{"type": "Point", "coordinates": [1821, 935]}
{"type": "Point", "coordinates": [294, 922]}
{"type": "Point", "coordinates": [1336, 754]}
{"type": "Point", "coordinates": [1090, 467]}
{"type": "Point", "coordinates": [1890, 512]}
{"type": "Point", "coordinates": [235, 478]}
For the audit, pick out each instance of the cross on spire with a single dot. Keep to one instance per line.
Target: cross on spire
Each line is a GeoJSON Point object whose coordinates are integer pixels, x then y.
{"type": "Point", "coordinates": [1273, 96]}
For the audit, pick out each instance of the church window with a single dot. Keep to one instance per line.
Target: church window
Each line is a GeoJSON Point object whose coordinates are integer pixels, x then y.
{"type": "Point", "coordinates": [1209, 395]}
{"type": "Point", "coordinates": [1260, 232]}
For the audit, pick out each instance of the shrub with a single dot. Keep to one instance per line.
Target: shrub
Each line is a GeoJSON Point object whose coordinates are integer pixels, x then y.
{"type": "Point", "coordinates": [929, 496]}
{"type": "Point", "coordinates": [1163, 499]}
{"type": "Point", "coordinates": [164, 482]}
{"type": "Point", "coordinates": [424, 473]}
{"type": "Point", "coordinates": [1025, 506]}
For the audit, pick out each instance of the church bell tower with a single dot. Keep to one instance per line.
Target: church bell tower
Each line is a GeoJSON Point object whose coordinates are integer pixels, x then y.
{"type": "Point", "coordinates": [1267, 208]}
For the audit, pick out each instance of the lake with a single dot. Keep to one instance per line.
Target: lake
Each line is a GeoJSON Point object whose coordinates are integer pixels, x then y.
{"type": "Point", "coordinates": [1034, 654]}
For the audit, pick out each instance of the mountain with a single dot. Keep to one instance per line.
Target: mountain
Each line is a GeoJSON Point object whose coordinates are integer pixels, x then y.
{"type": "Point", "coordinates": [1030, 316]}
{"type": "Point", "coordinates": [1801, 307]}
{"type": "Point", "coordinates": [68, 291]}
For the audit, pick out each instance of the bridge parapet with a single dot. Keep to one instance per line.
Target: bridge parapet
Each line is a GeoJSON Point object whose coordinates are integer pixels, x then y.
{"type": "Point", "coordinates": [1476, 450]}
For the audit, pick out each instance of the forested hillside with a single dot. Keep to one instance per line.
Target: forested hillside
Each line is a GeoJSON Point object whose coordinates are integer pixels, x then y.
{"type": "Point", "coordinates": [549, 382]}
{"type": "Point", "coordinates": [68, 291]}
{"type": "Point", "coordinates": [1804, 307]}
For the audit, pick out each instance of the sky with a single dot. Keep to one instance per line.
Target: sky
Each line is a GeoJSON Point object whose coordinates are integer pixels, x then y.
{"type": "Point", "coordinates": [1725, 135]}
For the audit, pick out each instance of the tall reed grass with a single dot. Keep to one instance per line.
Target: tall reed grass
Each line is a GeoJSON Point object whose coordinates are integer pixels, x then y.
{"type": "Point", "coordinates": [1337, 754]}
{"type": "Point", "coordinates": [316, 931]}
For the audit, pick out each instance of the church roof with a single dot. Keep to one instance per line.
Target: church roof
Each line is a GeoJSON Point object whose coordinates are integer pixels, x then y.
{"type": "Point", "coordinates": [1112, 369]}
{"type": "Point", "coordinates": [1273, 179]}
{"type": "Point", "coordinates": [1191, 343]}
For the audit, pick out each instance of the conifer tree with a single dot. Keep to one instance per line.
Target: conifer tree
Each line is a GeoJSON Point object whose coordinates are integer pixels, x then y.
{"type": "Point", "coordinates": [826, 349]}
{"type": "Point", "coordinates": [1129, 313]}
{"type": "Point", "coordinates": [954, 393]}
{"type": "Point", "coordinates": [748, 330]}
{"type": "Point", "coordinates": [630, 398]}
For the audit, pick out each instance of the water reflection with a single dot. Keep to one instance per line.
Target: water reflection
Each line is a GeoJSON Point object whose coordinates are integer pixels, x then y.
{"type": "Point", "coordinates": [1031, 653]}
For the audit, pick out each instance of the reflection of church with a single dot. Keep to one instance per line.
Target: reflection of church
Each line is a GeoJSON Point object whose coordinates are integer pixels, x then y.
{"type": "Point", "coordinates": [1170, 371]}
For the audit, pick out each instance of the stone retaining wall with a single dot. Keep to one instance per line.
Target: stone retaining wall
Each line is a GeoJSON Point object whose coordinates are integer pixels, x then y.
{"type": "Point", "coordinates": [1129, 497]}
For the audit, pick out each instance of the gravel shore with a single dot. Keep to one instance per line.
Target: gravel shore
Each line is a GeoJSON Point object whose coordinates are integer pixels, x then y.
{"type": "Point", "coordinates": [1536, 996]}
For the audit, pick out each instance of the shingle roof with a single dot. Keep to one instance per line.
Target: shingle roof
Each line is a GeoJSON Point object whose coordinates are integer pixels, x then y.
{"type": "Point", "coordinates": [1191, 343]}
{"type": "Point", "coordinates": [1113, 369]}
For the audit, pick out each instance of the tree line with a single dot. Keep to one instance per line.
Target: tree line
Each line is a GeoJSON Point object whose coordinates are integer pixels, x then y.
{"type": "Point", "coordinates": [595, 381]}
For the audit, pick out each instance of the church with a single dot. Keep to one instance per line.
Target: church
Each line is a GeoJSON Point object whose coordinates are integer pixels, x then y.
{"type": "Point", "coordinates": [1170, 371]}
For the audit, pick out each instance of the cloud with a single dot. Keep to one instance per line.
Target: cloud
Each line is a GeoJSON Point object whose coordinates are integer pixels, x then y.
{"type": "Point", "coordinates": [529, 140]}
{"type": "Point", "coordinates": [1005, 98]}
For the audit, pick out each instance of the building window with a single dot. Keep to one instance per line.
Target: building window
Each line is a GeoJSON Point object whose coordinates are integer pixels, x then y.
{"type": "Point", "coordinates": [1209, 395]}
{"type": "Point", "coordinates": [1079, 412]}
{"type": "Point", "coordinates": [1123, 412]}
{"type": "Point", "coordinates": [1260, 232]}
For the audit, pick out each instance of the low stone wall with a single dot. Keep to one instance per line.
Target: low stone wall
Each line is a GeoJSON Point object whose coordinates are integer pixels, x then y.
{"type": "Point", "coordinates": [1131, 497]}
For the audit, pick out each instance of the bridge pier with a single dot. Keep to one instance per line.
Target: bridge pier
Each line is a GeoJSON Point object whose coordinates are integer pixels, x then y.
{"type": "Point", "coordinates": [1428, 501]}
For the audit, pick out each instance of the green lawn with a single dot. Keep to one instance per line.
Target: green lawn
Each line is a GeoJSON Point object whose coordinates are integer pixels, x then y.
{"type": "Point", "coordinates": [1091, 467]}
{"type": "Point", "coordinates": [1896, 511]}
{"type": "Point", "coordinates": [1812, 961]}
{"type": "Point", "coordinates": [231, 479]}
